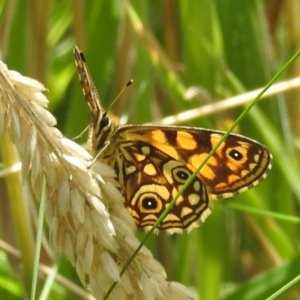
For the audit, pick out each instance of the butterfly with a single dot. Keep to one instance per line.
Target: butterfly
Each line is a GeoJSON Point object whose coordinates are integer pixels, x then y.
{"type": "Point", "coordinates": [152, 164]}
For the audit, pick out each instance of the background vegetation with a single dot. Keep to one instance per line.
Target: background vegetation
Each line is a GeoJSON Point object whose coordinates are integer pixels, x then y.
{"type": "Point", "coordinates": [213, 48]}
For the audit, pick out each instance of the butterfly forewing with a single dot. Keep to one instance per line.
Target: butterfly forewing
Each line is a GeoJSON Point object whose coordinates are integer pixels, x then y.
{"type": "Point", "coordinates": [87, 84]}
{"type": "Point", "coordinates": [153, 163]}
{"type": "Point", "coordinates": [101, 126]}
{"type": "Point", "coordinates": [238, 164]}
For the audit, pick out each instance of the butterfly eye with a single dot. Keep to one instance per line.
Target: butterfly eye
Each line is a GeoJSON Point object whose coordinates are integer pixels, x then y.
{"type": "Point", "coordinates": [181, 174]}
{"type": "Point", "coordinates": [105, 121]}
{"type": "Point", "coordinates": [236, 155]}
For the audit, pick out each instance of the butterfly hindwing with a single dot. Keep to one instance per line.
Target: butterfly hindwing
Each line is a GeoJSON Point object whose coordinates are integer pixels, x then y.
{"type": "Point", "coordinates": [151, 179]}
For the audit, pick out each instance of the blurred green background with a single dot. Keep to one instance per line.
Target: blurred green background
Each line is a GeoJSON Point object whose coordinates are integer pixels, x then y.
{"type": "Point", "coordinates": [217, 49]}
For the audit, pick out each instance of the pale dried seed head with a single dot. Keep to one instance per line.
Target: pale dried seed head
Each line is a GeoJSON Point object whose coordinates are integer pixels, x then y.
{"type": "Point", "coordinates": [46, 117]}
{"type": "Point", "coordinates": [15, 132]}
{"type": "Point", "coordinates": [79, 265]}
{"type": "Point", "coordinates": [88, 254]}
{"type": "Point", "coordinates": [127, 283]}
{"type": "Point", "coordinates": [30, 145]}
{"type": "Point", "coordinates": [48, 164]}
{"type": "Point", "coordinates": [63, 197]}
{"type": "Point", "coordinates": [98, 205]}
{"type": "Point", "coordinates": [78, 164]}
{"type": "Point", "coordinates": [58, 240]}
{"type": "Point", "coordinates": [26, 84]}
{"type": "Point", "coordinates": [126, 222]}
{"type": "Point", "coordinates": [147, 287]}
{"type": "Point", "coordinates": [35, 167]}
{"type": "Point", "coordinates": [2, 109]}
{"type": "Point", "coordinates": [78, 150]}
{"type": "Point", "coordinates": [109, 227]}
{"type": "Point", "coordinates": [98, 280]}
{"type": "Point", "coordinates": [109, 265]}
{"type": "Point", "coordinates": [110, 191]}
{"type": "Point", "coordinates": [120, 293]}
{"type": "Point", "coordinates": [103, 169]}
{"type": "Point", "coordinates": [56, 133]}
{"type": "Point", "coordinates": [84, 209]}
{"type": "Point", "coordinates": [54, 225]}
{"type": "Point", "coordinates": [155, 271]}
{"type": "Point", "coordinates": [37, 186]}
{"type": "Point", "coordinates": [50, 214]}
{"type": "Point", "coordinates": [87, 184]}
{"type": "Point", "coordinates": [77, 207]}
{"type": "Point", "coordinates": [134, 243]}
{"type": "Point", "coordinates": [178, 291]}
{"type": "Point", "coordinates": [69, 250]}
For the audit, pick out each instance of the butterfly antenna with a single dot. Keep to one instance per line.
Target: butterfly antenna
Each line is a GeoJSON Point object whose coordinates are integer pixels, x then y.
{"type": "Point", "coordinates": [130, 82]}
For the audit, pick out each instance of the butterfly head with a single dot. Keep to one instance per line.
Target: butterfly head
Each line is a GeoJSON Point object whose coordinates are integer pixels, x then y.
{"type": "Point", "coordinates": [103, 127]}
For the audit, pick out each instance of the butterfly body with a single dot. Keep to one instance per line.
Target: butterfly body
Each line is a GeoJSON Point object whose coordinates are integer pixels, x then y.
{"type": "Point", "coordinates": [153, 163]}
